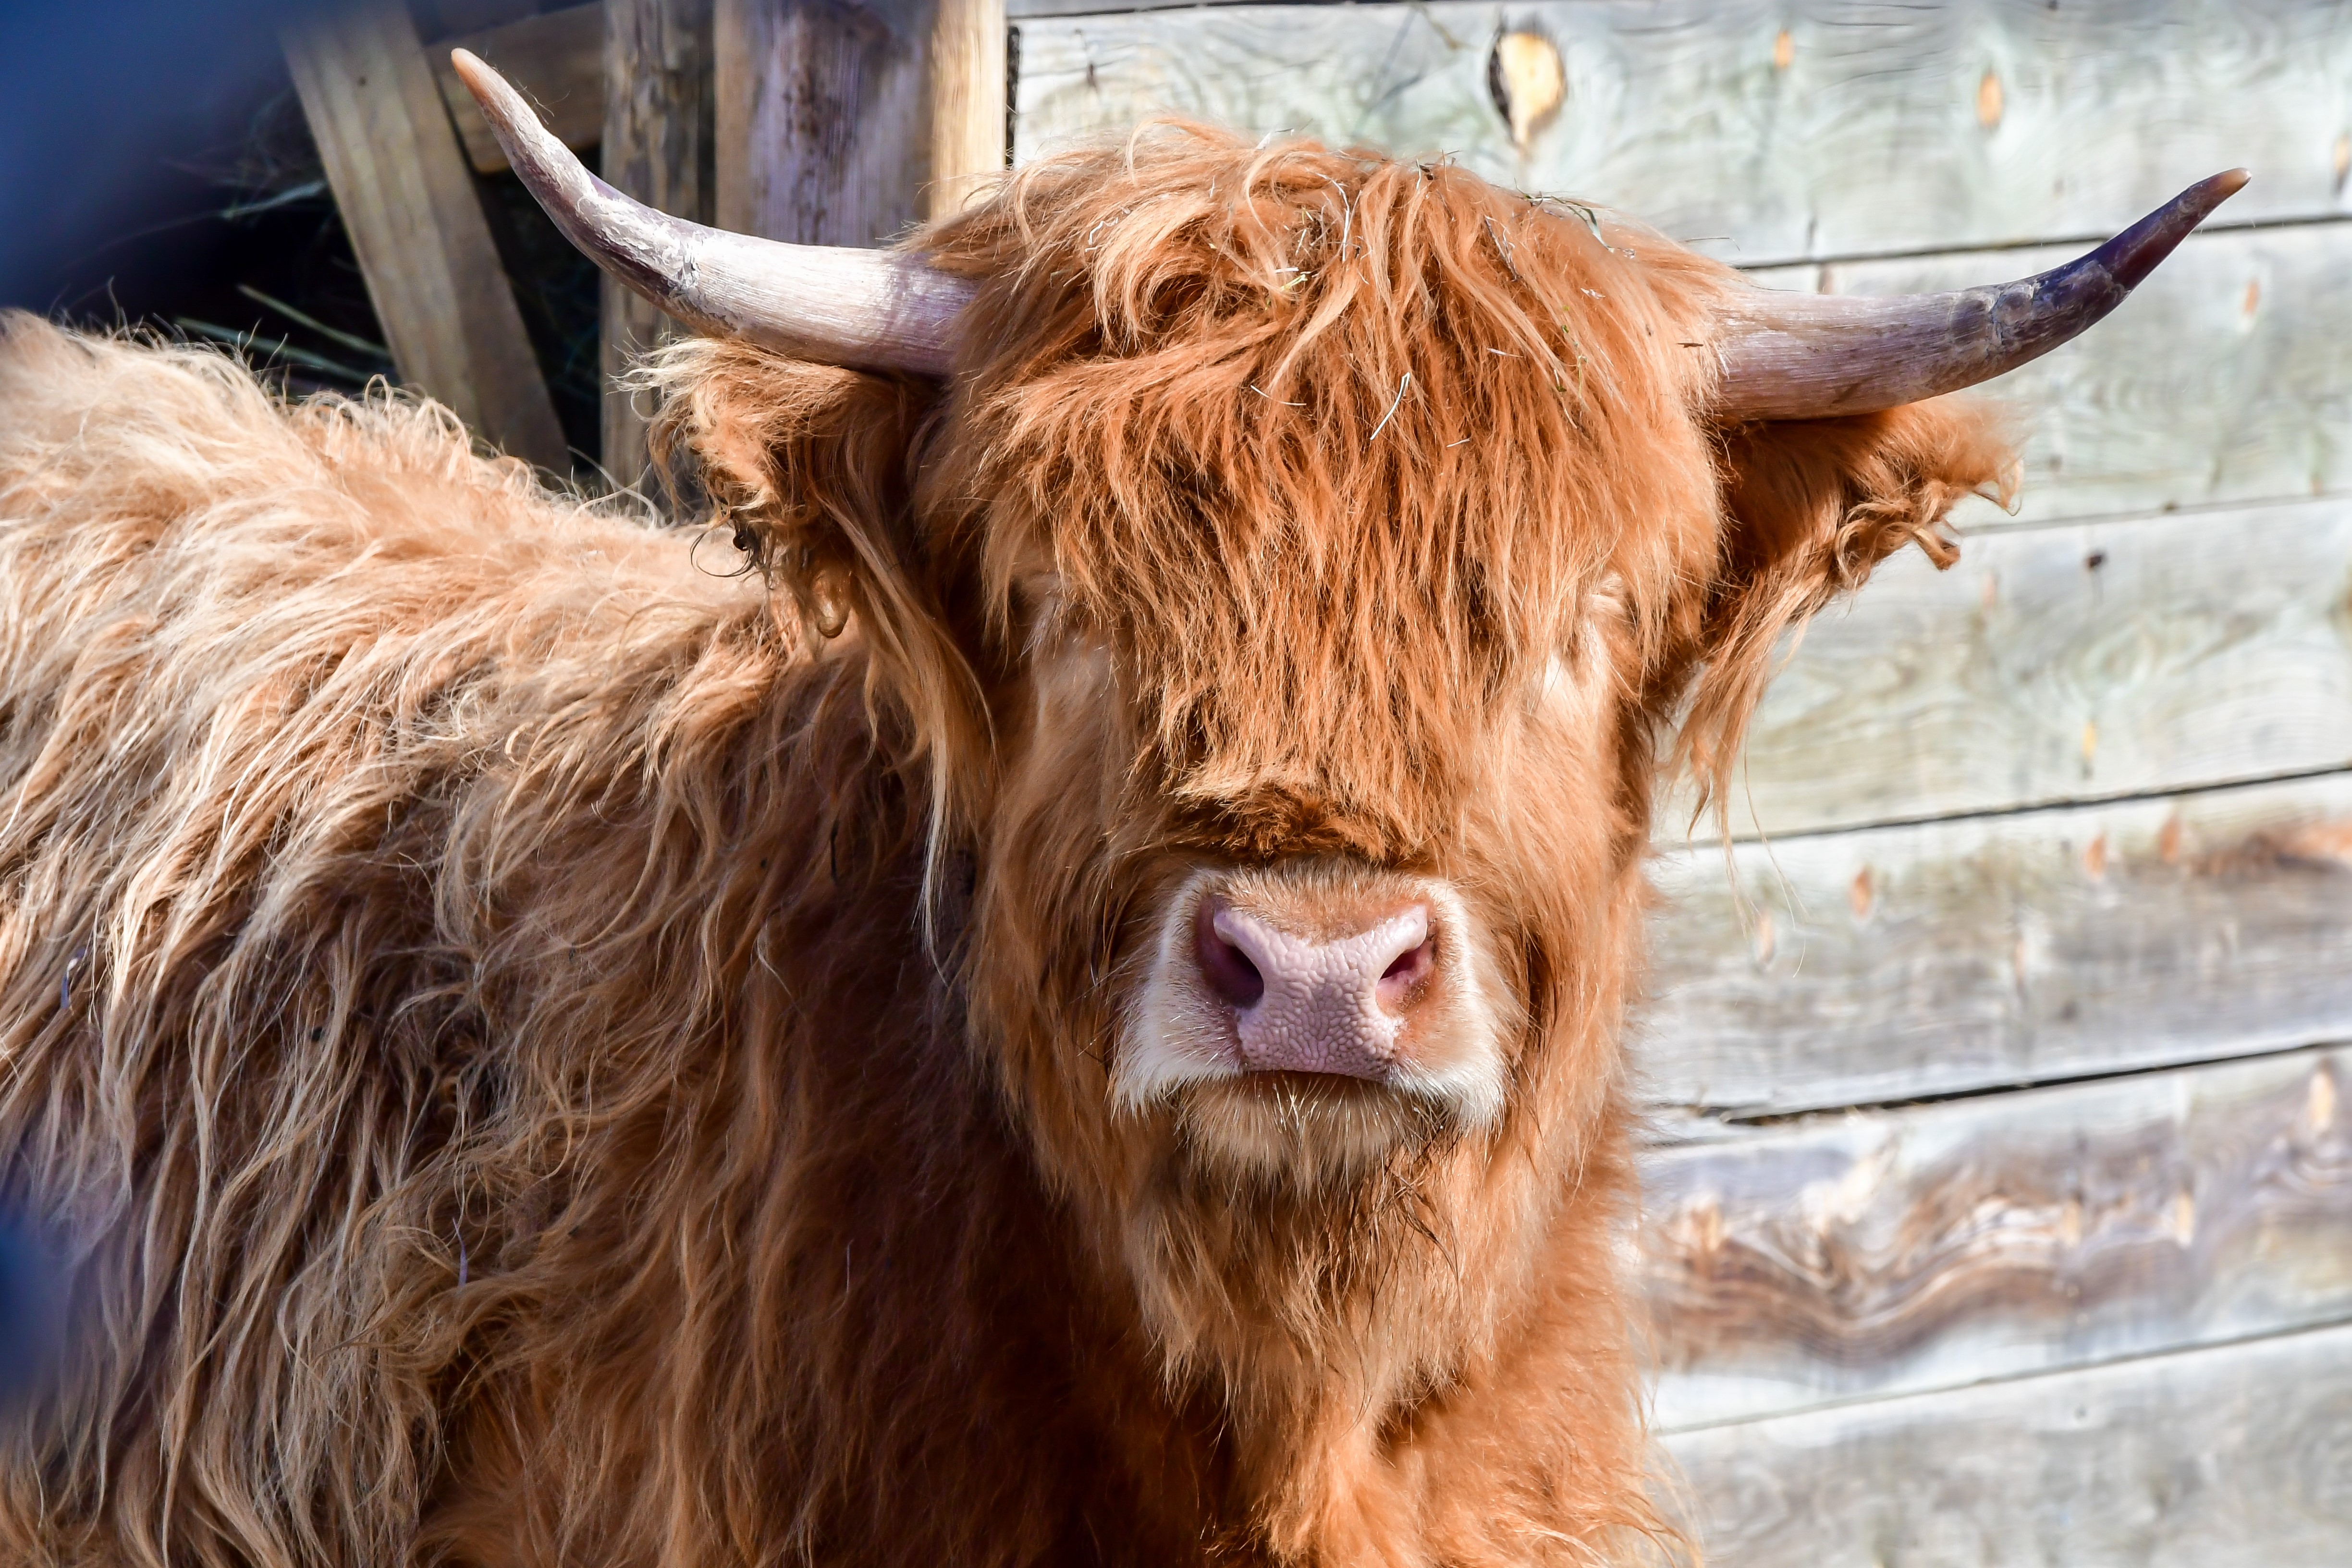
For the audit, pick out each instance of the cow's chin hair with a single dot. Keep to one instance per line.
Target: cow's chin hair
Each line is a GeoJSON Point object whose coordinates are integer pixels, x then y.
{"type": "Point", "coordinates": [1301, 1133]}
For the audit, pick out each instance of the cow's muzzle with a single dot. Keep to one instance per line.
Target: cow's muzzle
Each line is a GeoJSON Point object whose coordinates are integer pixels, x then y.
{"type": "Point", "coordinates": [1316, 1002]}
{"type": "Point", "coordinates": [1317, 971]}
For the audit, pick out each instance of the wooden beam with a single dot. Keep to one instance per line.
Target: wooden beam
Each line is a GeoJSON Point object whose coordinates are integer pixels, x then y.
{"type": "Point", "coordinates": [968, 87]}
{"type": "Point", "coordinates": [1953, 957]}
{"type": "Point", "coordinates": [1894, 1252]}
{"type": "Point", "coordinates": [440, 20]}
{"type": "Point", "coordinates": [556, 60]}
{"type": "Point", "coordinates": [2067, 663]}
{"type": "Point", "coordinates": [1765, 130]}
{"type": "Point", "coordinates": [415, 222]}
{"type": "Point", "coordinates": [657, 147]}
{"type": "Point", "coordinates": [823, 118]}
{"type": "Point", "coordinates": [2234, 1456]}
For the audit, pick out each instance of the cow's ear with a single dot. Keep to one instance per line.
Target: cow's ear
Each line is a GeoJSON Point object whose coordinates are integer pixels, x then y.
{"type": "Point", "coordinates": [810, 465]}
{"type": "Point", "coordinates": [1809, 509]}
{"type": "Point", "coordinates": [815, 465]}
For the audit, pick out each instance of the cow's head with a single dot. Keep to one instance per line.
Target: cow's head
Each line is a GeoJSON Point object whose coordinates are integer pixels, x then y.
{"type": "Point", "coordinates": [1285, 569]}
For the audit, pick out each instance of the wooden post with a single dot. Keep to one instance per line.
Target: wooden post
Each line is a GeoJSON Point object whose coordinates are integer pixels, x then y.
{"type": "Point", "coordinates": [823, 118]}
{"type": "Point", "coordinates": [657, 147]}
{"type": "Point", "coordinates": [968, 89]}
{"type": "Point", "coordinates": [408, 198]}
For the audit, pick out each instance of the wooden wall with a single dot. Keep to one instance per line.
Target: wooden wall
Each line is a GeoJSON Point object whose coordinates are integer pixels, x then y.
{"type": "Point", "coordinates": [2000, 1203]}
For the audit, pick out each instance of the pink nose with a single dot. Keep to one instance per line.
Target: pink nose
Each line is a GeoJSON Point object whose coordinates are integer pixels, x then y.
{"type": "Point", "coordinates": [1303, 1005]}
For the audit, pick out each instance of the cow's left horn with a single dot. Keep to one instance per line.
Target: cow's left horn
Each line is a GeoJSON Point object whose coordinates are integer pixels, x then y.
{"type": "Point", "coordinates": [1788, 355]}
{"type": "Point", "coordinates": [871, 309]}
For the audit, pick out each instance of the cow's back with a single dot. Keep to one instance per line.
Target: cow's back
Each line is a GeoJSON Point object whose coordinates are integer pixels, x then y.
{"type": "Point", "coordinates": [350, 784]}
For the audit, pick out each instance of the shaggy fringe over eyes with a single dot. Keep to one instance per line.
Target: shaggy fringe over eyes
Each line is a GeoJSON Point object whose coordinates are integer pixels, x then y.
{"type": "Point", "coordinates": [1269, 416]}
{"type": "Point", "coordinates": [1320, 434]}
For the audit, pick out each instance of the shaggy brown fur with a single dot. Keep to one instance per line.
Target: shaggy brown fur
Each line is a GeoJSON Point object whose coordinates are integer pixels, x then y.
{"type": "Point", "coordinates": [464, 988]}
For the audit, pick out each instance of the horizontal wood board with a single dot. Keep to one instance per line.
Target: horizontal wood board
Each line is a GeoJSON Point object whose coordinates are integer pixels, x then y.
{"type": "Point", "coordinates": [2066, 663]}
{"type": "Point", "coordinates": [1939, 1245]}
{"type": "Point", "coordinates": [2235, 1457]}
{"type": "Point", "coordinates": [1759, 130]}
{"type": "Point", "coordinates": [1956, 956]}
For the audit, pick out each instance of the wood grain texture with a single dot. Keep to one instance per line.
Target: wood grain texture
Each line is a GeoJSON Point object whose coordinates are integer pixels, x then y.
{"type": "Point", "coordinates": [1952, 957]}
{"type": "Point", "coordinates": [823, 118]}
{"type": "Point", "coordinates": [1932, 1247]}
{"type": "Point", "coordinates": [556, 60]}
{"type": "Point", "coordinates": [2235, 1457]}
{"type": "Point", "coordinates": [1874, 138]}
{"type": "Point", "coordinates": [968, 85]}
{"type": "Point", "coordinates": [2220, 379]}
{"type": "Point", "coordinates": [2066, 663]}
{"type": "Point", "coordinates": [408, 202]}
{"type": "Point", "coordinates": [658, 147]}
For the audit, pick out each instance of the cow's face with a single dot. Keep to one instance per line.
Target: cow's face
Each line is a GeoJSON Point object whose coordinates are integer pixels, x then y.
{"type": "Point", "coordinates": [1343, 536]}
{"type": "Point", "coordinates": [1319, 831]}
{"type": "Point", "coordinates": [1288, 599]}
{"type": "Point", "coordinates": [1280, 561]}
{"type": "Point", "coordinates": [1335, 558]}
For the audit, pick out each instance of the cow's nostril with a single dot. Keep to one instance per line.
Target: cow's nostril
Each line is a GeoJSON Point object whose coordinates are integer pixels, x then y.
{"type": "Point", "coordinates": [1228, 969]}
{"type": "Point", "coordinates": [1407, 971]}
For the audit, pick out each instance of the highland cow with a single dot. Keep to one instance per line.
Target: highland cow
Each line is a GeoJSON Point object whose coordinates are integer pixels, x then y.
{"type": "Point", "coordinates": [1065, 1012]}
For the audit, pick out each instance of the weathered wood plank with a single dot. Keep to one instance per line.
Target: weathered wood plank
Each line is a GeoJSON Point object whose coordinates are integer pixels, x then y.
{"type": "Point", "coordinates": [1955, 956]}
{"type": "Point", "coordinates": [1022, 10]}
{"type": "Point", "coordinates": [824, 118]}
{"type": "Point", "coordinates": [657, 141]}
{"type": "Point", "coordinates": [408, 202]}
{"type": "Point", "coordinates": [2237, 1456]}
{"type": "Point", "coordinates": [2222, 380]}
{"type": "Point", "coordinates": [440, 19]}
{"type": "Point", "coordinates": [556, 60]}
{"type": "Point", "coordinates": [1939, 1245]}
{"type": "Point", "coordinates": [968, 85]}
{"type": "Point", "coordinates": [1765, 129]}
{"type": "Point", "coordinates": [2066, 663]}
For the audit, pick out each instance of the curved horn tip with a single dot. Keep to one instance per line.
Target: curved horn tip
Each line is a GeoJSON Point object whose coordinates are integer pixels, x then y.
{"type": "Point", "coordinates": [473, 71]}
{"type": "Point", "coordinates": [512, 120]}
{"type": "Point", "coordinates": [2135, 253]}
{"type": "Point", "coordinates": [508, 111]}
{"type": "Point", "coordinates": [1806, 356]}
{"type": "Point", "coordinates": [502, 105]}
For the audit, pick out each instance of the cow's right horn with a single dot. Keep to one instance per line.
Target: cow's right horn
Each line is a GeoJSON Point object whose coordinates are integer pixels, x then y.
{"type": "Point", "coordinates": [870, 310]}
{"type": "Point", "coordinates": [1790, 355]}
